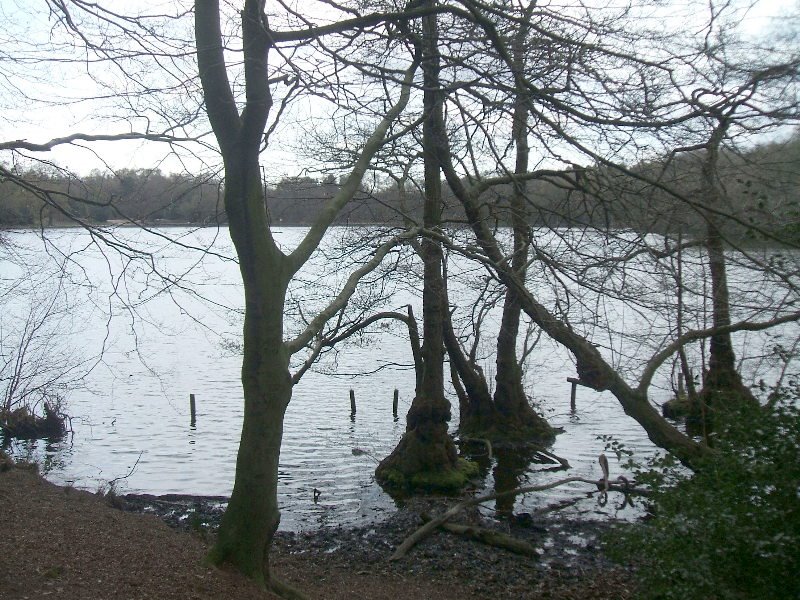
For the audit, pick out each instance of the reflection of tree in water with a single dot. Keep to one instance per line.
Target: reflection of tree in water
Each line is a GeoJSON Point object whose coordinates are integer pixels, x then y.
{"type": "Point", "coordinates": [55, 453]}
{"type": "Point", "coordinates": [510, 471]}
{"type": "Point", "coordinates": [49, 455]}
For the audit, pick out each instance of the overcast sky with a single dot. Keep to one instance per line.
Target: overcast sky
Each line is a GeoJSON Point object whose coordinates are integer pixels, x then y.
{"type": "Point", "coordinates": [39, 101]}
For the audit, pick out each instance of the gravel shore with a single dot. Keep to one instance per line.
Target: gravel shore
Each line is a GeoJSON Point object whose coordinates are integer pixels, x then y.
{"type": "Point", "coordinates": [74, 544]}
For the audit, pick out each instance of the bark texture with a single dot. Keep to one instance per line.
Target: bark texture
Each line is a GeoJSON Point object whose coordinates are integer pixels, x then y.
{"type": "Point", "coordinates": [509, 415]}
{"type": "Point", "coordinates": [426, 457]}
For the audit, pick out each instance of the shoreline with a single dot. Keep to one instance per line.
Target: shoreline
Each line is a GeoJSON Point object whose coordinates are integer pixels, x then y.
{"type": "Point", "coordinates": [568, 547]}
{"type": "Point", "coordinates": [76, 544]}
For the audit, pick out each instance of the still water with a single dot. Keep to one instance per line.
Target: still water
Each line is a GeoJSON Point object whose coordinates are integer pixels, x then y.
{"type": "Point", "coordinates": [151, 331]}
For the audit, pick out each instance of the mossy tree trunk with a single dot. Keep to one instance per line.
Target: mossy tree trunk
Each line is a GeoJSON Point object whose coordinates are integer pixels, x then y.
{"type": "Point", "coordinates": [252, 516]}
{"type": "Point", "coordinates": [426, 457]}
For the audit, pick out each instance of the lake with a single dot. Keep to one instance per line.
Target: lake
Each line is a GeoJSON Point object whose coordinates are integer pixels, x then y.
{"type": "Point", "coordinates": [149, 331]}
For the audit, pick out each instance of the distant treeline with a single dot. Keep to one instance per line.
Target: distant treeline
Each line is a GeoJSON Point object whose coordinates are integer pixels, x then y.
{"type": "Point", "coordinates": [760, 193]}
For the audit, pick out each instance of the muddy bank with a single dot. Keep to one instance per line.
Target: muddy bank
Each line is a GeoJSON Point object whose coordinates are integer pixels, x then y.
{"type": "Point", "coordinates": [569, 551]}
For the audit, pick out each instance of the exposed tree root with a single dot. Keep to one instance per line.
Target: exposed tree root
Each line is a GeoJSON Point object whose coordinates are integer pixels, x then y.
{"type": "Point", "coordinates": [490, 537]}
{"type": "Point", "coordinates": [436, 522]}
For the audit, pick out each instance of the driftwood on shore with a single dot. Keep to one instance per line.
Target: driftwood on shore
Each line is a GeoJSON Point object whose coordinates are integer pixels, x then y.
{"type": "Point", "coordinates": [489, 537]}
{"type": "Point", "coordinates": [438, 522]}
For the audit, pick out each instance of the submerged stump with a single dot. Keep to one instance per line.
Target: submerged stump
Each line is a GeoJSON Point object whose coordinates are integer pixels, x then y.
{"type": "Point", "coordinates": [23, 423]}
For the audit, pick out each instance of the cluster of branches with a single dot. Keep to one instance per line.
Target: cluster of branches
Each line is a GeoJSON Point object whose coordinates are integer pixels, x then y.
{"type": "Point", "coordinates": [636, 123]}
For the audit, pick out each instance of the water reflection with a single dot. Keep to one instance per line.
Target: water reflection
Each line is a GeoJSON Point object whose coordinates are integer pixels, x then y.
{"type": "Point", "coordinates": [50, 454]}
{"type": "Point", "coordinates": [511, 470]}
{"type": "Point", "coordinates": [134, 403]}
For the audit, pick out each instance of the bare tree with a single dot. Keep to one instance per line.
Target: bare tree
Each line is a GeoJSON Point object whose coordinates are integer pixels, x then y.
{"type": "Point", "coordinates": [242, 125]}
{"type": "Point", "coordinates": [426, 457]}
{"type": "Point", "coordinates": [611, 99]}
{"type": "Point", "coordinates": [39, 365]}
{"type": "Point", "coordinates": [612, 116]}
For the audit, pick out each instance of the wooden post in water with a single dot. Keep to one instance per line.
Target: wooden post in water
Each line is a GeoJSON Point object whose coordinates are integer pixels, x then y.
{"type": "Point", "coordinates": [394, 403]}
{"type": "Point", "coordinates": [573, 393]}
{"type": "Point", "coordinates": [192, 410]}
{"type": "Point", "coordinates": [352, 403]}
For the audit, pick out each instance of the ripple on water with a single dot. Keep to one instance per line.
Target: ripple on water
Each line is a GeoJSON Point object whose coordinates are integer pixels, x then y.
{"type": "Point", "coordinates": [130, 413]}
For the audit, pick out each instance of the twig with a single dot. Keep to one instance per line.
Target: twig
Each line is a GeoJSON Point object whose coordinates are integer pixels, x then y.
{"type": "Point", "coordinates": [557, 506]}
{"type": "Point", "coordinates": [130, 472]}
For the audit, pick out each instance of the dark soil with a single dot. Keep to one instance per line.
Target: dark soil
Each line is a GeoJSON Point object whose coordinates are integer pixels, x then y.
{"type": "Point", "coordinates": [74, 544]}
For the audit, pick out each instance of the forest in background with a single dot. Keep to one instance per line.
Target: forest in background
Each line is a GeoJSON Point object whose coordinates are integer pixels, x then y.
{"type": "Point", "coordinates": [763, 191]}
{"type": "Point", "coordinates": [619, 118]}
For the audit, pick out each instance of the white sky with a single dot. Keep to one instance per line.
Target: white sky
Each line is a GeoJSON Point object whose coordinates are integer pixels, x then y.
{"type": "Point", "coordinates": [51, 108]}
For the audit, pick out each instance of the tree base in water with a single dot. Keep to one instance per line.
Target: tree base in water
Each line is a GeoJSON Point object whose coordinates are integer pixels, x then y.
{"type": "Point", "coordinates": [497, 428]}
{"type": "Point", "coordinates": [715, 401]}
{"type": "Point", "coordinates": [425, 460]}
{"type": "Point", "coordinates": [441, 481]}
{"type": "Point", "coordinates": [676, 408]}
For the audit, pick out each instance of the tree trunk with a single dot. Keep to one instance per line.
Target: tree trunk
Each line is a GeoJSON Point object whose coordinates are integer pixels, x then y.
{"type": "Point", "coordinates": [722, 384]}
{"type": "Point", "coordinates": [591, 367]}
{"type": "Point", "coordinates": [510, 415]}
{"type": "Point", "coordinates": [722, 372]}
{"type": "Point", "coordinates": [252, 515]}
{"type": "Point", "coordinates": [476, 407]}
{"type": "Point", "coordinates": [426, 457]}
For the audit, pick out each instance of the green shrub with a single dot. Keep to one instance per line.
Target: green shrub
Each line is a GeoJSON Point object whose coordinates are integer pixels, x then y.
{"type": "Point", "coordinates": [732, 529]}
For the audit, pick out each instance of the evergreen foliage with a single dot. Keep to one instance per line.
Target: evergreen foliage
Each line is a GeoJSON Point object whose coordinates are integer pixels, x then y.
{"type": "Point", "coordinates": [731, 530]}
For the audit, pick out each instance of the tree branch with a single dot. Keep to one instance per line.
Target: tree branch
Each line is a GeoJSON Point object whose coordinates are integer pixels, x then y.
{"type": "Point", "coordinates": [318, 322]}
{"type": "Point", "coordinates": [86, 137]}
{"type": "Point", "coordinates": [314, 236]}
{"type": "Point", "coordinates": [329, 342]}
{"type": "Point", "coordinates": [656, 361]}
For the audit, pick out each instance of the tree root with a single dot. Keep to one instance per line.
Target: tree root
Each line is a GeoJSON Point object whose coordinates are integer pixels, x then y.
{"type": "Point", "coordinates": [425, 530]}
{"type": "Point", "coordinates": [490, 537]}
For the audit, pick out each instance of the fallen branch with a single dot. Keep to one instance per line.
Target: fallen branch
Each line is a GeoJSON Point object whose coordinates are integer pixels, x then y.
{"type": "Point", "coordinates": [429, 527]}
{"type": "Point", "coordinates": [555, 507]}
{"type": "Point", "coordinates": [490, 537]}
{"type": "Point", "coordinates": [562, 461]}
